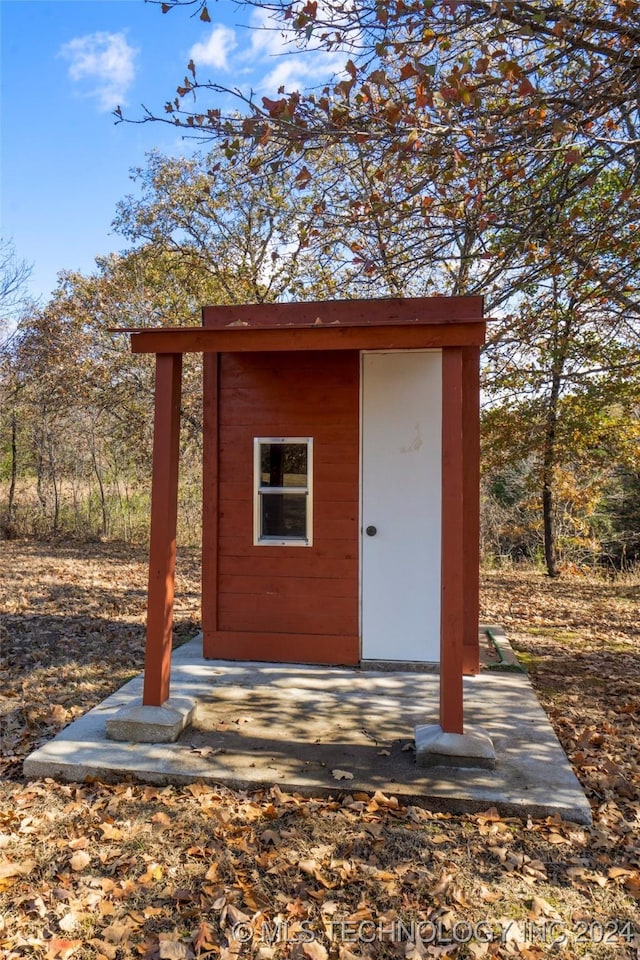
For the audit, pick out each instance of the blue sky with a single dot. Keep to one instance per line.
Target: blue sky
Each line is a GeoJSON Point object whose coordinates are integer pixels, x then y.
{"type": "Point", "coordinates": [65, 65]}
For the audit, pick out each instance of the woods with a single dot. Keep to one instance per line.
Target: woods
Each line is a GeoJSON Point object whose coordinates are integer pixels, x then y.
{"type": "Point", "coordinates": [560, 420]}
{"type": "Point", "coordinates": [465, 148]}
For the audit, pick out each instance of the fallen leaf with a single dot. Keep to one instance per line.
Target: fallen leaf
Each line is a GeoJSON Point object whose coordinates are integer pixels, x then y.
{"type": "Point", "coordinates": [80, 860]}
{"type": "Point", "coordinates": [489, 896]}
{"type": "Point", "coordinates": [614, 872]}
{"type": "Point", "coordinates": [237, 916]}
{"type": "Point", "coordinates": [153, 872]}
{"type": "Point", "coordinates": [62, 948]}
{"type": "Point", "coordinates": [117, 932]}
{"type": "Point", "coordinates": [338, 774]}
{"type": "Point", "coordinates": [11, 871]}
{"type": "Point", "coordinates": [161, 818]}
{"type": "Point", "coordinates": [383, 801]}
{"type": "Point", "coordinates": [174, 950]}
{"type": "Point", "coordinates": [478, 950]}
{"type": "Point", "coordinates": [109, 832]}
{"type": "Point", "coordinates": [68, 923]}
{"type": "Point", "coordinates": [345, 954]}
{"type": "Point", "coordinates": [557, 838]}
{"type": "Point", "coordinates": [632, 885]}
{"type": "Point", "coordinates": [80, 843]}
{"type": "Point", "coordinates": [541, 908]}
{"type": "Point", "coordinates": [442, 886]}
{"type": "Point", "coordinates": [204, 938]}
{"type": "Point", "coordinates": [489, 816]}
{"type": "Point", "coordinates": [104, 949]}
{"type": "Point", "coordinates": [270, 836]}
{"type": "Point", "coordinates": [315, 950]}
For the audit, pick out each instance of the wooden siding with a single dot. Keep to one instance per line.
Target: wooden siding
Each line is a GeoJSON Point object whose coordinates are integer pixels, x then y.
{"type": "Point", "coordinates": [287, 603]}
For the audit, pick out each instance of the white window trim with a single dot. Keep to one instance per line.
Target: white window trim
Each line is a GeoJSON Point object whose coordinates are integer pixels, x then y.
{"type": "Point", "coordinates": [258, 539]}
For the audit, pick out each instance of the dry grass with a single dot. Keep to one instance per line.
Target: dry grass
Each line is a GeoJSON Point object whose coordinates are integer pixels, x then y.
{"type": "Point", "coordinates": [93, 871]}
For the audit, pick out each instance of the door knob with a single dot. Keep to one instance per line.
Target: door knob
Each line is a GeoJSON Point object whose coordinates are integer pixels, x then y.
{"type": "Point", "coordinates": [371, 531]}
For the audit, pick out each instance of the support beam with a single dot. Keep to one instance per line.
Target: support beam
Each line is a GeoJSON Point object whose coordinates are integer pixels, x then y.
{"type": "Point", "coordinates": [210, 421]}
{"type": "Point", "coordinates": [471, 506]}
{"type": "Point", "coordinates": [164, 509]}
{"type": "Point", "coordinates": [322, 337]}
{"type": "Point", "coordinates": [452, 597]}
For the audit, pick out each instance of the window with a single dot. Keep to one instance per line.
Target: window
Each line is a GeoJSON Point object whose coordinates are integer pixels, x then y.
{"type": "Point", "coordinates": [282, 491]}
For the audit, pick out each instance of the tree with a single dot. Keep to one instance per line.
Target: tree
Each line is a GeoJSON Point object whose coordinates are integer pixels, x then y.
{"type": "Point", "coordinates": [569, 345]}
{"type": "Point", "coordinates": [252, 232]}
{"type": "Point", "coordinates": [203, 233]}
{"type": "Point", "coordinates": [77, 428]}
{"type": "Point", "coordinates": [14, 274]}
{"type": "Point", "coordinates": [475, 101]}
{"type": "Point", "coordinates": [564, 390]}
{"type": "Point", "coordinates": [479, 147]}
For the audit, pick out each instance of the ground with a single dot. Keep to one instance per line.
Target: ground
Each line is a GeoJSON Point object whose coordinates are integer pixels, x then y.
{"type": "Point", "coordinates": [93, 871]}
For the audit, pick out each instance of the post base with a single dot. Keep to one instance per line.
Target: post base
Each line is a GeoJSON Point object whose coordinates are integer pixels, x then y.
{"type": "Point", "coordinates": [435, 748]}
{"type": "Point", "coordinates": [137, 723]}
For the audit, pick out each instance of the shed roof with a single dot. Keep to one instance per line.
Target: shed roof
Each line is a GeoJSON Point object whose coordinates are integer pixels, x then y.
{"type": "Point", "coordinates": [325, 325]}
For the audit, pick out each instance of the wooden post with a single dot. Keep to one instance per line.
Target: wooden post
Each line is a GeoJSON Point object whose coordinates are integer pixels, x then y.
{"type": "Point", "coordinates": [164, 510]}
{"type": "Point", "coordinates": [209, 603]}
{"type": "Point", "coordinates": [452, 570]}
{"type": "Point", "coordinates": [471, 506]}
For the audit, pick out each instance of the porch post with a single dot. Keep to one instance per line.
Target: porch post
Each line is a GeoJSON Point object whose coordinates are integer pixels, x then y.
{"type": "Point", "coordinates": [209, 603]}
{"type": "Point", "coordinates": [164, 509]}
{"type": "Point", "coordinates": [471, 506]}
{"type": "Point", "coordinates": [452, 569]}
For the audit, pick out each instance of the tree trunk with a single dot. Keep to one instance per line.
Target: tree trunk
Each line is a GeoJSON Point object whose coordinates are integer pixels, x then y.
{"type": "Point", "coordinates": [9, 531]}
{"type": "Point", "coordinates": [103, 499]}
{"type": "Point", "coordinates": [40, 478]}
{"type": "Point", "coordinates": [561, 340]}
{"type": "Point", "coordinates": [548, 505]}
{"type": "Point", "coordinates": [54, 484]}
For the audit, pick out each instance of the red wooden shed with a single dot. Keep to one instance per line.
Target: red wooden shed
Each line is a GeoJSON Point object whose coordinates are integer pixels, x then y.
{"type": "Point", "coordinates": [340, 485]}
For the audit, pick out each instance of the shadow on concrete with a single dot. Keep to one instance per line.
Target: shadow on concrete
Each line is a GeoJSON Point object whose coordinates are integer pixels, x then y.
{"type": "Point", "coordinates": [322, 730]}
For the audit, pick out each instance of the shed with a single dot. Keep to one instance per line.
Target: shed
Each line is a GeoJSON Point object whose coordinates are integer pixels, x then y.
{"type": "Point", "coordinates": [340, 486]}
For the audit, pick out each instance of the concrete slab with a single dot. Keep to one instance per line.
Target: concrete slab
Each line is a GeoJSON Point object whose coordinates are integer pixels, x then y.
{"type": "Point", "coordinates": [304, 727]}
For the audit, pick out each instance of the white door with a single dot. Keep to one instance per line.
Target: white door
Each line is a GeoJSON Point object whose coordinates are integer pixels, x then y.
{"type": "Point", "coordinates": [401, 505]}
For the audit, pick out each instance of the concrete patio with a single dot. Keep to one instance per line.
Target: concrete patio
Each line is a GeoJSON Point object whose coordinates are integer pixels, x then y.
{"type": "Point", "coordinates": [322, 730]}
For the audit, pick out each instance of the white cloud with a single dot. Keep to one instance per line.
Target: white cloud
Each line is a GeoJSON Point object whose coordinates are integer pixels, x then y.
{"type": "Point", "coordinates": [268, 35]}
{"type": "Point", "coordinates": [214, 52]}
{"type": "Point", "coordinates": [106, 61]}
{"type": "Point", "coordinates": [294, 67]}
{"type": "Point", "coordinates": [269, 57]}
{"type": "Point", "coordinates": [294, 74]}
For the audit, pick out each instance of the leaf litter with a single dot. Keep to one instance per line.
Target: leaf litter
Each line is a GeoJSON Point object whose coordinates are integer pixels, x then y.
{"type": "Point", "coordinates": [126, 870]}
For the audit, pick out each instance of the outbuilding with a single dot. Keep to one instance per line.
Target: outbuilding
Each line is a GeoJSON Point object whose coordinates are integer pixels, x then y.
{"type": "Point", "coordinates": [340, 486]}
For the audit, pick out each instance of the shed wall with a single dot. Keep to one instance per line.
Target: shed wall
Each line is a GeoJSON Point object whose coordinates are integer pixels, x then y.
{"type": "Point", "coordinates": [288, 603]}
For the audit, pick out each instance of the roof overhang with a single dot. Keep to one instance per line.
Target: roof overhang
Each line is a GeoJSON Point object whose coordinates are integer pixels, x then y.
{"type": "Point", "coordinates": [432, 322]}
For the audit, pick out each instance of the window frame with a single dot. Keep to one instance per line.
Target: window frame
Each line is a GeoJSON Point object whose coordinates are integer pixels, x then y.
{"type": "Point", "coordinates": [260, 540]}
